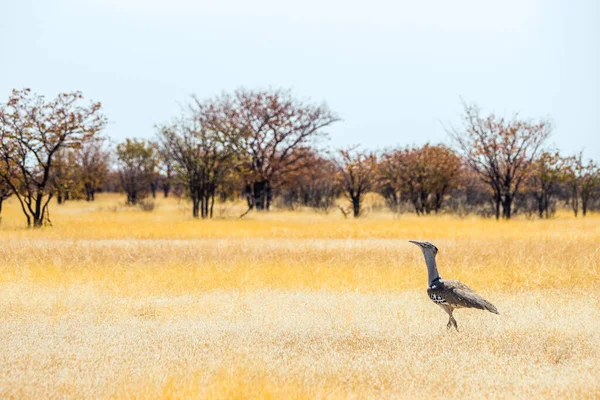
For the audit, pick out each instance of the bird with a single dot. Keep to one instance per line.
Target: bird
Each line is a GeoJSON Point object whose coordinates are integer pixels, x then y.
{"type": "Point", "coordinates": [448, 294]}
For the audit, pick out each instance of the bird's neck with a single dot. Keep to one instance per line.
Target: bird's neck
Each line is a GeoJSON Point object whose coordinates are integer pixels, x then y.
{"type": "Point", "coordinates": [432, 270]}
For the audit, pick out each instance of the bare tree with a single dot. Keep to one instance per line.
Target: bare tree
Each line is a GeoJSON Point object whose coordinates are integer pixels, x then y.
{"type": "Point", "coordinates": [202, 156]}
{"type": "Point", "coordinates": [136, 160]}
{"type": "Point", "coordinates": [32, 132]}
{"type": "Point", "coordinates": [500, 151]}
{"type": "Point", "coordinates": [268, 125]}
{"type": "Point", "coordinates": [356, 175]}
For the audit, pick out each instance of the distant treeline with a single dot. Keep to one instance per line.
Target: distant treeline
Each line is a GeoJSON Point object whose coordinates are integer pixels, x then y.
{"type": "Point", "coordinates": [266, 147]}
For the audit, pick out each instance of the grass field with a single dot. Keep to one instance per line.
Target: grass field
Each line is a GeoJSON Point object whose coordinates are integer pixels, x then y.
{"type": "Point", "coordinates": [113, 302]}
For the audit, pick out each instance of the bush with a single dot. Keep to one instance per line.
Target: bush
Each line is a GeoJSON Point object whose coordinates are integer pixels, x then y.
{"type": "Point", "coordinates": [146, 205]}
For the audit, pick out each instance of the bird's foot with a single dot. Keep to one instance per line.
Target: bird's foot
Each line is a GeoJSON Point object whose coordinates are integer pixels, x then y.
{"type": "Point", "coordinates": [455, 325]}
{"type": "Point", "coordinates": [452, 323]}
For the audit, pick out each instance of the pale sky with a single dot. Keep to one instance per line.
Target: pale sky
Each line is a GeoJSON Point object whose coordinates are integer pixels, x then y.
{"type": "Point", "coordinates": [393, 70]}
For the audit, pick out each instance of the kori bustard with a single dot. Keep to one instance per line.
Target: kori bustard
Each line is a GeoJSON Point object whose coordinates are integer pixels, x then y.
{"type": "Point", "coordinates": [450, 295]}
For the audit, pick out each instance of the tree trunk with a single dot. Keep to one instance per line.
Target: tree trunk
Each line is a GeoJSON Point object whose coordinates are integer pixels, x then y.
{"type": "Point", "coordinates": [425, 206]}
{"type": "Point", "coordinates": [59, 197]}
{"type": "Point", "coordinates": [575, 205]}
{"type": "Point", "coordinates": [417, 211]}
{"type": "Point", "coordinates": [132, 198]}
{"type": "Point", "coordinates": [356, 206]}
{"type": "Point", "coordinates": [269, 195]}
{"type": "Point", "coordinates": [195, 208]}
{"type": "Point", "coordinates": [438, 202]}
{"type": "Point", "coordinates": [38, 212]}
{"type": "Point", "coordinates": [166, 189]}
{"type": "Point", "coordinates": [206, 203]}
{"type": "Point", "coordinates": [250, 196]}
{"type": "Point", "coordinates": [195, 203]}
{"type": "Point", "coordinates": [22, 203]}
{"type": "Point", "coordinates": [507, 206]}
{"type": "Point", "coordinates": [261, 194]}
{"type": "Point", "coordinates": [540, 204]}
{"type": "Point", "coordinates": [497, 202]}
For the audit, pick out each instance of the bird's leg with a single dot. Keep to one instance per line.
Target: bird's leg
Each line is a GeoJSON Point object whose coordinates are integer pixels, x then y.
{"type": "Point", "coordinates": [451, 320]}
{"type": "Point", "coordinates": [453, 323]}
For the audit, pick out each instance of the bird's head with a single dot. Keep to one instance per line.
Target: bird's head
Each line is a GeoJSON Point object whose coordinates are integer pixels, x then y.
{"type": "Point", "coordinates": [426, 247]}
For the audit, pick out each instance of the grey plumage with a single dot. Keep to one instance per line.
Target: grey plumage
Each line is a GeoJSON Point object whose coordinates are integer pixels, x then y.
{"type": "Point", "coordinates": [448, 294]}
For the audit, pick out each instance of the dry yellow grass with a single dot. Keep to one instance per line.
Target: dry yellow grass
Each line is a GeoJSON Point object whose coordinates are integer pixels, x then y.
{"type": "Point", "coordinates": [118, 303]}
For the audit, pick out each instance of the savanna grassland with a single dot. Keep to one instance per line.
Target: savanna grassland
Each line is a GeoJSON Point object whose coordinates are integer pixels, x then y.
{"type": "Point", "coordinates": [115, 302]}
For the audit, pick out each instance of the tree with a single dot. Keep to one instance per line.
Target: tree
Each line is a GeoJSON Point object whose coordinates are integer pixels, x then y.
{"type": "Point", "coordinates": [166, 167]}
{"type": "Point", "coordinates": [202, 156]}
{"type": "Point", "coordinates": [442, 166]}
{"type": "Point", "coordinates": [64, 179]}
{"type": "Point", "coordinates": [93, 167]}
{"type": "Point", "coordinates": [590, 182]}
{"type": "Point", "coordinates": [5, 193]}
{"type": "Point", "coordinates": [571, 176]}
{"type": "Point", "coordinates": [33, 131]}
{"type": "Point", "coordinates": [544, 180]}
{"type": "Point", "coordinates": [392, 178]}
{"type": "Point", "coordinates": [471, 194]}
{"type": "Point", "coordinates": [356, 172]}
{"type": "Point", "coordinates": [312, 183]}
{"type": "Point", "coordinates": [268, 126]}
{"type": "Point", "coordinates": [136, 161]}
{"type": "Point", "coordinates": [155, 180]}
{"type": "Point", "coordinates": [582, 181]}
{"type": "Point", "coordinates": [500, 151]}
{"type": "Point", "coordinates": [423, 175]}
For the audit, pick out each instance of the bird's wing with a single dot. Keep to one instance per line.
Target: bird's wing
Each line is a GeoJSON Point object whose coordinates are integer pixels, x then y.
{"type": "Point", "coordinates": [459, 294]}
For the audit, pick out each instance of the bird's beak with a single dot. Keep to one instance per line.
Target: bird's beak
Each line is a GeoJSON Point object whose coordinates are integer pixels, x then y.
{"type": "Point", "coordinates": [415, 242]}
